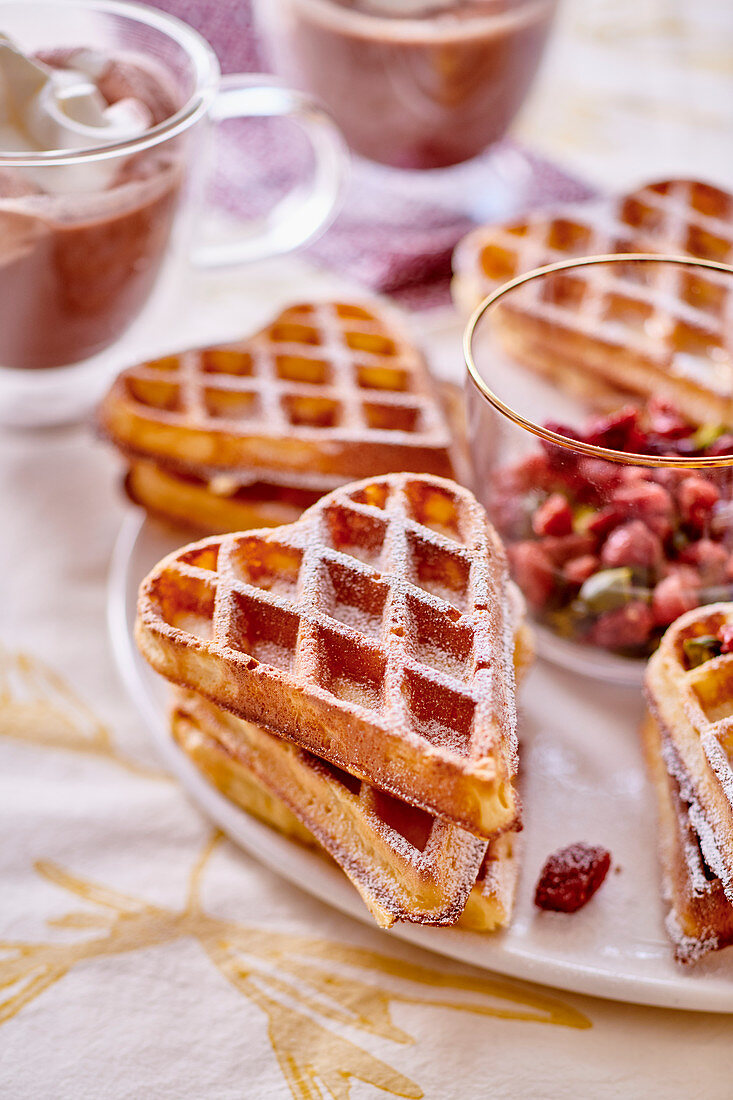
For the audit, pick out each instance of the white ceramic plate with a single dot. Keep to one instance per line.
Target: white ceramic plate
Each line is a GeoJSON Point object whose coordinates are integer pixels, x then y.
{"type": "Point", "coordinates": [583, 780]}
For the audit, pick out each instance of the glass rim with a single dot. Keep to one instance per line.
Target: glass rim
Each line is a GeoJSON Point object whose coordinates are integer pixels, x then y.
{"type": "Point", "coordinates": [575, 445]}
{"type": "Point", "coordinates": [206, 70]}
{"type": "Point", "coordinates": [404, 28]}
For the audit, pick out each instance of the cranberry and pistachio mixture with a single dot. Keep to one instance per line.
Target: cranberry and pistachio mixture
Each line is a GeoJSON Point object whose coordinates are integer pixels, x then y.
{"type": "Point", "coordinates": [610, 554]}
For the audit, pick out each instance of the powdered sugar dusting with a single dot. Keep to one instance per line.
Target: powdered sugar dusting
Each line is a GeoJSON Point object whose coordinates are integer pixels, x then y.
{"type": "Point", "coordinates": [688, 949]}
{"type": "Point", "coordinates": [429, 684]}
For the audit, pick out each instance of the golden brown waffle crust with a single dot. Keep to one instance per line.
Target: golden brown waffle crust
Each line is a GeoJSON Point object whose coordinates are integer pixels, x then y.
{"type": "Point", "coordinates": [593, 334]}
{"type": "Point", "coordinates": [396, 880]}
{"type": "Point", "coordinates": [330, 387]}
{"type": "Point", "coordinates": [229, 775]}
{"type": "Point", "coordinates": [208, 501]}
{"type": "Point", "coordinates": [405, 864]}
{"type": "Point", "coordinates": [674, 216]}
{"type": "Point", "coordinates": [189, 502]}
{"type": "Point", "coordinates": [384, 729]}
{"type": "Point", "coordinates": [692, 709]}
{"type": "Point", "coordinates": [297, 795]}
{"type": "Point", "coordinates": [700, 917]}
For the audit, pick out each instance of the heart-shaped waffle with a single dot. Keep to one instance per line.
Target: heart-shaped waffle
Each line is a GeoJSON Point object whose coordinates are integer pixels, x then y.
{"type": "Point", "coordinates": [693, 708]}
{"type": "Point", "coordinates": [210, 501]}
{"type": "Point", "coordinates": [376, 632]}
{"type": "Point", "coordinates": [610, 329]}
{"type": "Point", "coordinates": [406, 864]}
{"type": "Point", "coordinates": [331, 388]}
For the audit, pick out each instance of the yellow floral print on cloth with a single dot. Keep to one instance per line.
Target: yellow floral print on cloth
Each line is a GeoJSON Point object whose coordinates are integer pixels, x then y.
{"type": "Point", "coordinates": [308, 987]}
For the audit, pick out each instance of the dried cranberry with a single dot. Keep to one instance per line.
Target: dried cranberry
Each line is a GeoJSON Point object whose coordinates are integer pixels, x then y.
{"type": "Point", "coordinates": [553, 517]}
{"type": "Point", "coordinates": [564, 430]}
{"type": "Point", "coordinates": [644, 500]}
{"type": "Point", "coordinates": [665, 420]}
{"type": "Point", "coordinates": [666, 532]}
{"type": "Point", "coordinates": [696, 498]}
{"type": "Point", "coordinates": [722, 518]}
{"type": "Point", "coordinates": [510, 516]}
{"type": "Point", "coordinates": [667, 478]}
{"type": "Point", "coordinates": [726, 637]}
{"type": "Point", "coordinates": [634, 475]}
{"type": "Point", "coordinates": [601, 475]}
{"type": "Point", "coordinates": [576, 486]}
{"type": "Point", "coordinates": [632, 544]}
{"type": "Point", "coordinates": [579, 569]}
{"type": "Point", "coordinates": [709, 558]}
{"type": "Point", "coordinates": [676, 593]}
{"type": "Point", "coordinates": [533, 472]}
{"type": "Point", "coordinates": [571, 876]}
{"type": "Point", "coordinates": [617, 432]}
{"type": "Point", "coordinates": [533, 572]}
{"type": "Point", "coordinates": [559, 458]}
{"type": "Point", "coordinates": [628, 627]}
{"type": "Point", "coordinates": [605, 520]}
{"type": "Point", "coordinates": [561, 548]}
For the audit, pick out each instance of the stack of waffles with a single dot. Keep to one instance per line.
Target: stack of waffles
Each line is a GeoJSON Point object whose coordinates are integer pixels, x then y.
{"type": "Point", "coordinates": [620, 329]}
{"type": "Point", "coordinates": [350, 679]}
{"type": "Point", "coordinates": [688, 741]}
{"type": "Point", "coordinates": [248, 434]}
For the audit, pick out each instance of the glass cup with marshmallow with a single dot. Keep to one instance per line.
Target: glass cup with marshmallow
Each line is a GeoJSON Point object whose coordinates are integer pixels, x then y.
{"type": "Point", "coordinates": [105, 111]}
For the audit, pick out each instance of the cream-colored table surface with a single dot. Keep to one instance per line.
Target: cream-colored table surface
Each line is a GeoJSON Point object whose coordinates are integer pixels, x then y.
{"type": "Point", "coordinates": [634, 90]}
{"type": "Point", "coordinates": [141, 955]}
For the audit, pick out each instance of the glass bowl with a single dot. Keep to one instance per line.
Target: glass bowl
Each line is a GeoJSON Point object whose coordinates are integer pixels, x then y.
{"type": "Point", "coordinates": [600, 420]}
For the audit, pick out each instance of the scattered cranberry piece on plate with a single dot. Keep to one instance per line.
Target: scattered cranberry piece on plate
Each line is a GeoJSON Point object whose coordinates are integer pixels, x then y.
{"type": "Point", "coordinates": [571, 876]}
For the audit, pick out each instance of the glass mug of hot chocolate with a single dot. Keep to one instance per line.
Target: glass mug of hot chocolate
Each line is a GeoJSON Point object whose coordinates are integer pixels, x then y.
{"type": "Point", "coordinates": [105, 114]}
{"type": "Point", "coordinates": [412, 84]}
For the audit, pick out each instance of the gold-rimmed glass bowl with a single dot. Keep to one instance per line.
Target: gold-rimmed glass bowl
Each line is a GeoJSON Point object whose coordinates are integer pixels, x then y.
{"type": "Point", "coordinates": [600, 413]}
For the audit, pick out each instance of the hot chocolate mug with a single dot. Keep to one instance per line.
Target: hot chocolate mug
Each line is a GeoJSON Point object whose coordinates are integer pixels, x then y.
{"type": "Point", "coordinates": [413, 84]}
{"type": "Point", "coordinates": [86, 223]}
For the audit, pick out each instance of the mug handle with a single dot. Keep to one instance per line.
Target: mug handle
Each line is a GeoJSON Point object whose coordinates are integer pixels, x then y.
{"type": "Point", "coordinates": [309, 207]}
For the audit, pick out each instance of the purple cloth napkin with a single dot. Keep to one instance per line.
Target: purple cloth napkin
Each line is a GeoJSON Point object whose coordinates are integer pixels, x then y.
{"type": "Point", "coordinates": [383, 237]}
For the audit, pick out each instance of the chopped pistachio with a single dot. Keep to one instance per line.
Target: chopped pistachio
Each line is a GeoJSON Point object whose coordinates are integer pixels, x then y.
{"type": "Point", "coordinates": [607, 590]}
{"type": "Point", "coordinates": [706, 435]}
{"type": "Point", "coordinates": [564, 622]}
{"type": "Point", "coordinates": [701, 649]}
{"type": "Point", "coordinates": [582, 517]}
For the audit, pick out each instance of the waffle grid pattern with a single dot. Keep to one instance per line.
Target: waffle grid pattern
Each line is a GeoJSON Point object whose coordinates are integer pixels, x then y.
{"type": "Point", "coordinates": [321, 373]}
{"type": "Point", "coordinates": [388, 600]}
{"type": "Point", "coordinates": [694, 710]}
{"type": "Point", "coordinates": [678, 319]}
{"type": "Point", "coordinates": [710, 687]}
